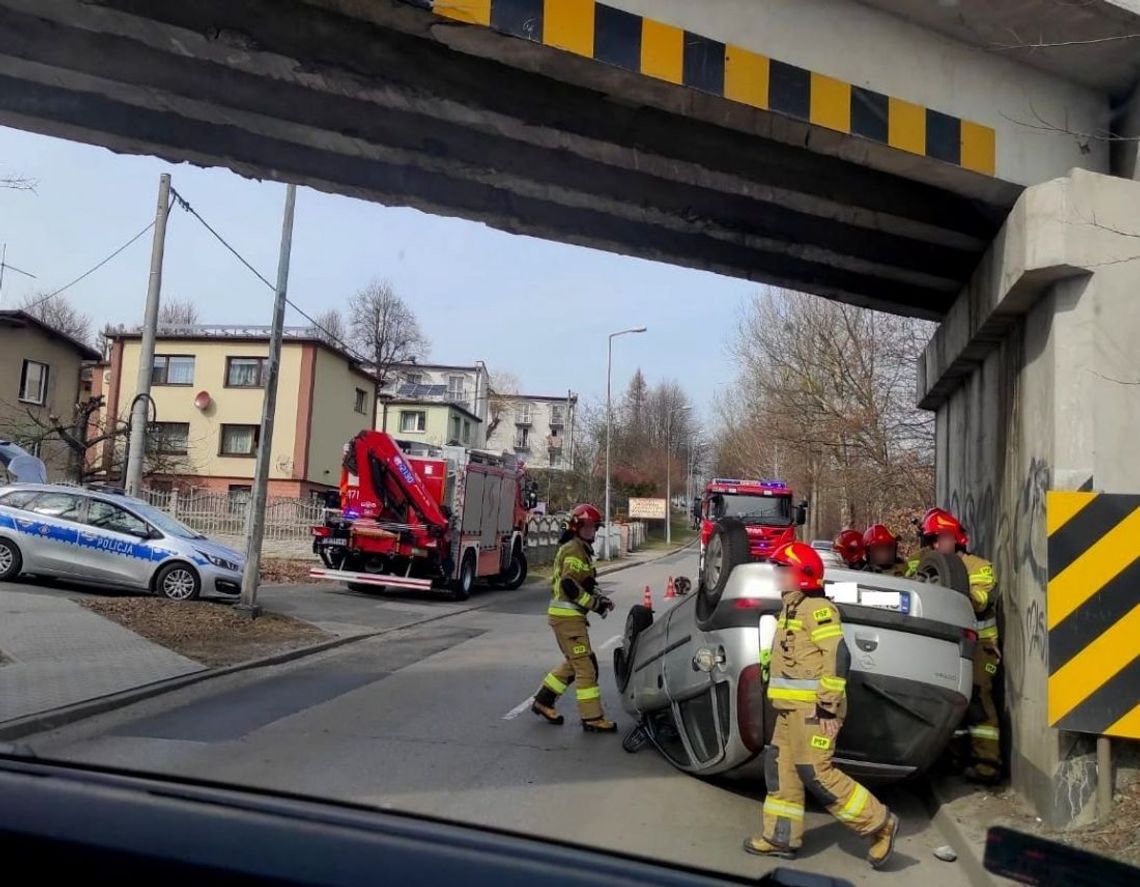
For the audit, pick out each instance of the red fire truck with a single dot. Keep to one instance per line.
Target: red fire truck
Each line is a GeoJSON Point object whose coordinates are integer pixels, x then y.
{"type": "Point", "coordinates": [764, 507]}
{"type": "Point", "coordinates": [432, 518]}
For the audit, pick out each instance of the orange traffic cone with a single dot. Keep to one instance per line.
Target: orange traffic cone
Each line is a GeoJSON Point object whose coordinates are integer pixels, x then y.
{"type": "Point", "coordinates": [647, 598]}
{"type": "Point", "coordinates": [670, 590]}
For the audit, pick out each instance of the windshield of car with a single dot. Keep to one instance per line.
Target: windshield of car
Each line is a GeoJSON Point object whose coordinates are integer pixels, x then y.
{"type": "Point", "coordinates": [773, 510]}
{"type": "Point", "coordinates": [164, 522]}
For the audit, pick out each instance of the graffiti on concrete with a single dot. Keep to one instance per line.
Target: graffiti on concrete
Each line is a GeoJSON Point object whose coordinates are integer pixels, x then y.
{"type": "Point", "coordinates": [1035, 636]}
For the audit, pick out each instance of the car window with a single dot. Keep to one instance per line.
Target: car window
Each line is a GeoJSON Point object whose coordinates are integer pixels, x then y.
{"type": "Point", "coordinates": [17, 498]}
{"type": "Point", "coordinates": [62, 505]}
{"type": "Point", "coordinates": [107, 516]}
{"type": "Point", "coordinates": [700, 725]}
{"type": "Point", "coordinates": [665, 734]}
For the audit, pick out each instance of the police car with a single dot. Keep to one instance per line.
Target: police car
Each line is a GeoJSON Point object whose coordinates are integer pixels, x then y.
{"type": "Point", "coordinates": [109, 539]}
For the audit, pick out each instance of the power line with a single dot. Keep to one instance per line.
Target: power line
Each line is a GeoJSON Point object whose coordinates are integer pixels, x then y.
{"type": "Point", "coordinates": [348, 349]}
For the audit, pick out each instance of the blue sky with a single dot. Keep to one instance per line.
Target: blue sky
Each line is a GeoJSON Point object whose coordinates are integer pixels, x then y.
{"type": "Point", "coordinates": [541, 310]}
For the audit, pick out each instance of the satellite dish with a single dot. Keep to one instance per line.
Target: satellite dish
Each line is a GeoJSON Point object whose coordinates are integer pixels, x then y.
{"type": "Point", "coordinates": [202, 400]}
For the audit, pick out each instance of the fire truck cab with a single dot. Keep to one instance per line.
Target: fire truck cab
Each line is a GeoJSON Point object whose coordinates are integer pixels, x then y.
{"type": "Point", "coordinates": [765, 507]}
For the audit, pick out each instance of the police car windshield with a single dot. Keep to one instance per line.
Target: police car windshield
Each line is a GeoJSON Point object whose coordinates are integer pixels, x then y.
{"type": "Point", "coordinates": [761, 509]}
{"type": "Point", "coordinates": [165, 522]}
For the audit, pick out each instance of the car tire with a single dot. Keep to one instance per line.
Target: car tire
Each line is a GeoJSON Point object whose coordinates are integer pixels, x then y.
{"type": "Point", "coordinates": [727, 548]}
{"type": "Point", "coordinates": [178, 582]}
{"type": "Point", "coordinates": [946, 570]}
{"type": "Point", "coordinates": [462, 585]}
{"type": "Point", "coordinates": [515, 574]}
{"type": "Point", "coordinates": [11, 561]}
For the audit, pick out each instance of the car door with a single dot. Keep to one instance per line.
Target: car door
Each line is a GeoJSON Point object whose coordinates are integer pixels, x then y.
{"type": "Point", "coordinates": [49, 532]}
{"type": "Point", "coordinates": [114, 545]}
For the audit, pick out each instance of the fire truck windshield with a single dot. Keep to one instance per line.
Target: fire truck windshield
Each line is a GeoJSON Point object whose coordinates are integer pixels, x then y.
{"type": "Point", "coordinates": [774, 510]}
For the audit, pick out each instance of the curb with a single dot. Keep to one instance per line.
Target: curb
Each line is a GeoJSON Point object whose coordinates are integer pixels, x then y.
{"type": "Point", "coordinates": [662, 556]}
{"type": "Point", "coordinates": [968, 859]}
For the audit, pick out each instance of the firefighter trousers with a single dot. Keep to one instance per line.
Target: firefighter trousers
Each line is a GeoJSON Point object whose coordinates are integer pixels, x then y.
{"type": "Point", "coordinates": [982, 716]}
{"type": "Point", "coordinates": [799, 758]}
{"type": "Point", "coordinates": [579, 666]}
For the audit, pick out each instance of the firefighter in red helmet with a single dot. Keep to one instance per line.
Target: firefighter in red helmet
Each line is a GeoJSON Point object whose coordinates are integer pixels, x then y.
{"type": "Point", "coordinates": [849, 546]}
{"type": "Point", "coordinates": [573, 595]}
{"type": "Point", "coordinates": [807, 689]}
{"type": "Point", "coordinates": [883, 551]}
{"type": "Point", "coordinates": [942, 532]}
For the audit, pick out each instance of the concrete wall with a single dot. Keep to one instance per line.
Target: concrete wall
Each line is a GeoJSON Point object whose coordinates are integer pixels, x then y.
{"type": "Point", "coordinates": [1034, 377]}
{"type": "Point", "coordinates": [868, 48]}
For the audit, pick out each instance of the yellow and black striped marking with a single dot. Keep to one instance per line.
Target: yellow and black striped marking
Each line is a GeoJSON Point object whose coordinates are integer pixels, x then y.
{"type": "Point", "coordinates": [1093, 612]}
{"type": "Point", "coordinates": [665, 52]}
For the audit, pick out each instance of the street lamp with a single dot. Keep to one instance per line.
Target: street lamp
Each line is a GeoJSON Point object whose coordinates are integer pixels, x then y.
{"type": "Point", "coordinates": [669, 472]}
{"type": "Point", "coordinates": [610, 426]}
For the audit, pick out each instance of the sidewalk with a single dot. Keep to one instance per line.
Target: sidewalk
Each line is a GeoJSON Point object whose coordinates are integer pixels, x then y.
{"type": "Point", "coordinates": [637, 558]}
{"type": "Point", "coordinates": [57, 653]}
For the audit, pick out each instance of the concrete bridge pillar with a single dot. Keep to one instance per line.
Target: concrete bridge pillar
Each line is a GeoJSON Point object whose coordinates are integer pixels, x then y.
{"type": "Point", "coordinates": [1035, 380]}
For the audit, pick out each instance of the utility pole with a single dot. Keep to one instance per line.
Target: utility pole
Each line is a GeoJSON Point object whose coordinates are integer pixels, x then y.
{"type": "Point", "coordinates": [136, 453]}
{"type": "Point", "coordinates": [610, 429]}
{"type": "Point", "coordinates": [255, 516]}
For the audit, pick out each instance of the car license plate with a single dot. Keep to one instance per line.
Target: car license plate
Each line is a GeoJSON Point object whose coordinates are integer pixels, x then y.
{"type": "Point", "coordinates": [330, 543]}
{"type": "Point", "coordinates": [886, 600]}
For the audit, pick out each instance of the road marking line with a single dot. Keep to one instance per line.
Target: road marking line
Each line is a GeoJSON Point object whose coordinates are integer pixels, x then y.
{"type": "Point", "coordinates": [518, 709]}
{"type": "Point", "coordinates": [610, 642]}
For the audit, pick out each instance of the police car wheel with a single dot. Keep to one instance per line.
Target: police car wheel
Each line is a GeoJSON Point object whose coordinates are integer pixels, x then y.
{"type": "Point", "coordinates": [10, 560]}
{"type": "Point", "coordinates": [178, 582]}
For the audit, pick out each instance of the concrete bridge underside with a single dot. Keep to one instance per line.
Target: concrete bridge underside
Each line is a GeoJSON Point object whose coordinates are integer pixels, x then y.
{"type": "Point", "coordinates": [371, 100]}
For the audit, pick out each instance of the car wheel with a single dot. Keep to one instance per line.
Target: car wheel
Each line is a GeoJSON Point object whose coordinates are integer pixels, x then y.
{"type": "Point", "coordinates": [516, 571]}
{"type": "Point", "coordinates": [11, 561]}
{"type": "Point", "coordinates": [727, 548]}
{"type": "Point", "coordinates": [461, 587]}
{"type": "Point", "coordinates": [946, 570]}
{"type": "Point", "coordinates": [178, 582]}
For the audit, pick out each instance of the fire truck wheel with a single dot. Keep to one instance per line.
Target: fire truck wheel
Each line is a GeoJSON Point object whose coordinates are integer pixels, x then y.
{"type": "Point", "coordinates": [461, 587]}
{"type": "Point", "coordinates": [515, 574]}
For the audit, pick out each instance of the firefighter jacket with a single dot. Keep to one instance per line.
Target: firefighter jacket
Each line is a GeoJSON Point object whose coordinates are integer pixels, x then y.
{"type": "Point", "coordinates": [983, 595]}
{"type": "Point", "coordinates": [572, 588]}
{"type": "Point", "coordinates": [810, 660]}
{"type": "Point", "coordinates": [898, 568]}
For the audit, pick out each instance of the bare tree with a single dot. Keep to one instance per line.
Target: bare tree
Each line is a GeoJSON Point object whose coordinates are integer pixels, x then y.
{"type": "Point", "coordinates": [503, 390]}
{"type": "Point", "coordinates": [58, 313]}
{"type": "Point", "coordinates": [331, 323]}
{"type": "Point", "coordinates": [178, 312]}
{"type": "Point", "coordinates": [17, 183]}
{"type": "Point", "coordinates": [384, 328]}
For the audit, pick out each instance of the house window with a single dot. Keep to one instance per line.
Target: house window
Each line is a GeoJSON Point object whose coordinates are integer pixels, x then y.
{"type": "Point", "coordinates": [361, 401]}
{"type": "Point", "coordinates": [455, 425]}
{"type": "Point", "coordinates": [240, 440]}
{"type": "Point", "coordinates": [556, 415]}
{"type": "Point", "coordinates": [413, 421]}
{"type": "Point", "coordinates": [172, 369]}
{"type": "Point", "coordinates": [466, 431]}
{"type": "Point", "coordinates": [171, 438]}
{"type": "Point", "coordinates": [455, 387]}
{"type": "Point", "coordinates": [33, 382]}
{"type": "Point", "coordinates": [245, 372]}
{"type": "Point", "coordinates": [522, 438]}
{"type": "Point", "coordinates": [414, 378]}
{"type": "Point", "coordinates": [523, 414]}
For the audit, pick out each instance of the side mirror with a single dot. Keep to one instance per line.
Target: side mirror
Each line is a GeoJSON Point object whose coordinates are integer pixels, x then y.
{"type": "Point", "coordinates": [801, 513]}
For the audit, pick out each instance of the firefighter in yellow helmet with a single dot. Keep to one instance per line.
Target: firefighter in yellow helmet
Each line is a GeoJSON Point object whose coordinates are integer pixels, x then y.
{"type": "Point", "coordinates": [573, 595]}
{"type": "Point", "coordinates": [942, 532]}
{"type": "Point", "coordinates": [807, 689]}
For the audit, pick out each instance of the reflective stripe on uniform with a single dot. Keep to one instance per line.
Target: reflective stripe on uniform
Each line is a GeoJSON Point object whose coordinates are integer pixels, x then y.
{"type": "Point", "coordinates": [827, 631]}
{"type": "Point", "coordinates": [552, 683]}
{"type": "Point", "coordinates": [790, 624]}
{"type": "Point", "coordinates": [984, 731]}
{"type": "Point", "coordinates": [987, 628]}
{"type": "Point", "coordinates": [583, 599]}
{"type": "Point", "coordinates": [586, 693]}
{"type": "Point", "coordinates": [854, 805]}
{"type": "Point", "coordinates": [575, 564]}
{"type": "Point", "coordinates": [561, 609]}
{"type": "Point", "coordinates": [793, 690]}
{"type": "Point", "coordinates": [836, 685]}
{"type": "Point", "coordinates": [789, 809]}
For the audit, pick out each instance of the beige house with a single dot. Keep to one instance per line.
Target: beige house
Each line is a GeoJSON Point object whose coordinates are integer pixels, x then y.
{"type": "Point", "coordinates": [208, 385]}
{"type": "Point", "coordinates": [40, 371]}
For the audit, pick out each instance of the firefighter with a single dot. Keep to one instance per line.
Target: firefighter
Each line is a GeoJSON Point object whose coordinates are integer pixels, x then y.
{"type": "Point", "coordinates": [883, 551]}
{"type": "Point", "coordinates": [809, 668]}
{"type": "Point", "coordinates": [942, 532]}
{"type": "Point", "coordinates": [573, 596]}
{"type": "Point", "coordinates": [849, 546]}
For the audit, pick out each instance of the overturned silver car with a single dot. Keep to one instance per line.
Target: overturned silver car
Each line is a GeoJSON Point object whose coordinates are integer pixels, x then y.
{"type": "Point", "coordinates": [691, 675]}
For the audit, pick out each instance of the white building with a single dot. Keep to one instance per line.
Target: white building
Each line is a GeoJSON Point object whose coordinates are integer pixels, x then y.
{"type": "Point", "coordinates": [538, 429]}
{"type": "Point", "coordinates": [436, 403]}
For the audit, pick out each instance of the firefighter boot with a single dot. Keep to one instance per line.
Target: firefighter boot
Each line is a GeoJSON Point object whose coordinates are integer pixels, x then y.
{"type": "Point", "coordinates": [599, 725]}
{"type": "Point", "coordinates": [543, 706]}
{"type": "Point", "coordinates": [883, 842]}
{"type": "Point", "coordinates": [760, 846]}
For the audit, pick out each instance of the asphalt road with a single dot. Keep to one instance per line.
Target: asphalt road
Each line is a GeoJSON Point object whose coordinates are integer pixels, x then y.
{"type": "Point", "coordinates": [433, 718]}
